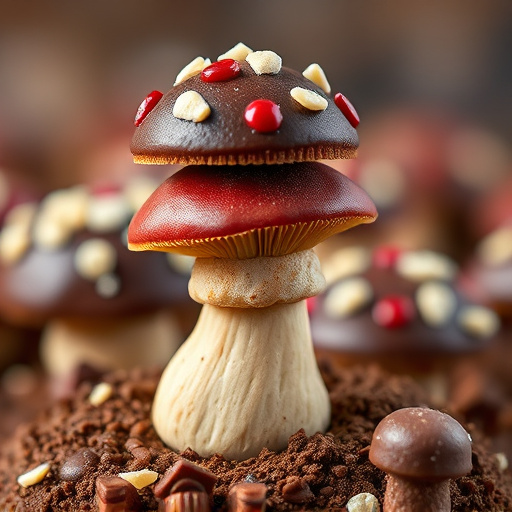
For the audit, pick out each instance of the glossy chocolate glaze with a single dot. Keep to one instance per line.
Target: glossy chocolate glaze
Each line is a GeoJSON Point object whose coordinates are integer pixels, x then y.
{"type": "Point", "coordinates": [204, 202]}
{"type": "Point", "coordinates": [415, 344]}
{"type": "Point", "coordinates": [224, 136]}
{"type": "Point", "coordinates": [45, 284]}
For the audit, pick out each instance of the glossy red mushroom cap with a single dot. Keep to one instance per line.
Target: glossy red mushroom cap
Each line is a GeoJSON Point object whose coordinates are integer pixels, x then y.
{"type": "Point", "coordinates": [249, 211]}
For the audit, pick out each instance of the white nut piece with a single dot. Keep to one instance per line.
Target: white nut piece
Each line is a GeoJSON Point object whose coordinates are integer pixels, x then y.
{"type": "Point", "coordinates": [34, 476]}
{"type": "Point", "coordinates": [316, 74]}
{"type": "Point", "coordinates": [364, 502]}
{"type": "Point", "coordinates": [14, 243]}
{"type": "Point", "coordinates": [140, 479]}
{"type": "Point", "coordinates": [496, 248]}
{"type": "Point", "coordinates": [348, 297]}
{"type": "Point", "coordinates": [502, 461]}
{"type": "Point", "coordinates": [308, 99]}
{"type": "Point", "coordinates": [238, 52]}
{"type": "Point", "coordinates": [191, 106]}
{"type": "Point", "coordinates": [421, 266]}
{"type": "Point", "coordinates": [100, 393]}
{"type": "Point", "coordinates": [67, 207]}
{"type": "Point", "coordinates": [478, 321]}
{"type": "Point", "coordinates": [192, 69]}
{"type": "Point", "coordinates": [95, 257]}
{"type": "Point", "coordinates": [21, 215]}
{"type": "Point", "coordinates": [107, 213]}
{"type": "Point", "coordinates": [50, 234]}
{"type": "Point", "coordinates": [346, 262]}
{"type": "Point", "coordinates": [107, 286]}
{"type": "Point", "coordinates": [265, 62]}
{"type": "Point", "coordinates": [436, 303]}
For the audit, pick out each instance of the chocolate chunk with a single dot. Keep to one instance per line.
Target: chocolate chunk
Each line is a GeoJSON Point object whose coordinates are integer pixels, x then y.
{"type": "Point", "coordinates": [183, 469]}
{"type": "Point", "coordinates": [189, 501]}
{"type": "Point", "coordinates": [247, 497]}
{"type": "Point", "coordinates": [117, 495]}
{"type": "Point", "coordinates": [296, 490]}
{"type": "Point", "coordinates": [78, 464]}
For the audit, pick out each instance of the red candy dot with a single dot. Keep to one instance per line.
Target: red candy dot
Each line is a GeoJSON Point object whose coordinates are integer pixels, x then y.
{"type": "Point", "coordinates": [263, 116]}
{"type": "Point", "coordinates": [311, 304]}
{"type": "Point", "coordinates": [147, 106]}
{"type": "Point", "coordinates": [386, 257]}
{"type": "Point", "coordinates": [347, 109]}
{"type": "Point", "coordinates": [221, 71]}
{"type": "Point", "coordinates": [393, 311]}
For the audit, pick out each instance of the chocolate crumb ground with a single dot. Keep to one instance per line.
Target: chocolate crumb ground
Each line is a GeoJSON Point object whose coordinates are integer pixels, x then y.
{"type": "Point", "coordinates": [82, 442]}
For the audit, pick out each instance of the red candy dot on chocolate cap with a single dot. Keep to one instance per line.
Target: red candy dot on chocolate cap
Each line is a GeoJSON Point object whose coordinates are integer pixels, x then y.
{"type": "Point", "coordinates": [421, 443]}
{"type": "Point", "coordinates": [246, 211]}
{"type": "Point", "coordinates": [225, 138]}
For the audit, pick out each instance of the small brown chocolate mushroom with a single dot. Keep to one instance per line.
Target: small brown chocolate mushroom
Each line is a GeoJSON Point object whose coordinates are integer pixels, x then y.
{"type": "Point", "coordinates": [420, 450]}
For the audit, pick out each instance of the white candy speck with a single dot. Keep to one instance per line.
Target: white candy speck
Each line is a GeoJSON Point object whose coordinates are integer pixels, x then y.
{"type": "Point", "coordinates": [107, 213]}
{"type": "Point", "coordinates": [191, 106]}
{"type": "Point", "coordinates": [424, 265]}
{"type": "Point", "coordinates": [34, 476]}
{"type": "Point", "coordinates": [316, 74]}
{"type": "Point", "coordinates": [264, 62]}
{"type": "Point", "coordinates": [95, 257]}
{"type": "Point", "coordinates": [238, 52]}
{"type": "Point", "coordinates": [478, 321]}
{"type": "Point", "coordinates": [140, 479]}
{"type": "Point", "coordinates": [436, 303]}
{"type": "Point", "coordinates": [364, 502]}
{"type": "Point", "coordinates": [345, 262]}
{"type": "Point", "coordinates": [100, 394]}
{"type": "Point", "coordinates": [309, 99]}
{"type": "Point", "coordinates": [348, 297]}
{"type": "Point", "coordinates": [496, 248]}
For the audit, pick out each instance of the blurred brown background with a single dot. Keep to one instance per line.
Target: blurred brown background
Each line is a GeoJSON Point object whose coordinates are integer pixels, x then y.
{"type": "Point", "coordinates": [72, 74]}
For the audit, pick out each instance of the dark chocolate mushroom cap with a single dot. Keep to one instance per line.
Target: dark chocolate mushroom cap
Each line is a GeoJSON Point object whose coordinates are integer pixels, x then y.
{"type": "Point", "coordinates": [421, 443]}
{"type": "Point", "coordinates": [248, 211]}
{"type": "Point", "coordinates": [45, 279]}
{"type": "Point", "coordinates": [225, 138]}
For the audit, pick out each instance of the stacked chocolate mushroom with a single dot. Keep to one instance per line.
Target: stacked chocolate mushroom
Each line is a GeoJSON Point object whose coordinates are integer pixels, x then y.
{"type": "Point", "coordinates": [250, 205]}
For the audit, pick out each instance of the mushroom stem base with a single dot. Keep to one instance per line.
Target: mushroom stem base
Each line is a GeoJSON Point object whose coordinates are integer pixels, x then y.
{"type": "Point", "coordinates": [405, 495]}
{"type": "Point", "coordinates": [245, 379]}
{"type": "Point", "coordinates": [109, 344]}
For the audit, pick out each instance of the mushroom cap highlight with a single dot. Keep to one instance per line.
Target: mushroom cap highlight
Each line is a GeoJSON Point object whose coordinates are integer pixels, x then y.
{"type": "Point", "coordinates": [421, 443]}
{"type": "Point", "coordinates": [225, 138]}
{"type": "Point", "coordinates": [248, 211]}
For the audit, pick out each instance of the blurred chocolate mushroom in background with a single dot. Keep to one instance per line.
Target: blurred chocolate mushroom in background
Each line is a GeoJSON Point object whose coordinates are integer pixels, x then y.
{"type": "Point", "coordinates": [66, 268]}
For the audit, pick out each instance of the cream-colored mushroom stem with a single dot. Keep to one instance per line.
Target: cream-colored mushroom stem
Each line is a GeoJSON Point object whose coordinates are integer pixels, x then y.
{"type": "Point", "coordinates": [247, 377]}
{"type": "Point", "coordinates": [109, 344]}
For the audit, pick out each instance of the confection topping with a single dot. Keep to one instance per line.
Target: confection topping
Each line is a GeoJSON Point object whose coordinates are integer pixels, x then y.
{"type": "Point", "coordinates": [309, 99]}
{"type": "Point", "coordinates": [247, 497]}
{"type": "Point", "coordinates": [347, 108]}
{"type": "Point", "coordinates": [95, 257]}
{"type": "Point", "coordinates": [264, 62]}
{"type": "Point", "coordinates": [238, 52]}
{"type": "Point", "coordinates": [397, 302]}
{"type": "Point", "coordinates": [147, 105]}
{"type": "Point", "coordinates": [496, 248]}
{"type": "Point", "coordinates": [191, 106]}
{"type": "Point", "coordinates": [242, 212]}
{"type": "Point", "coordinates": [78, 464]}
{"type": "Point", "coordinates": [316, 74]}
{"type": "Point", "coordinates": [140, 479]}
{"type": "Point", "coordinates": [100, 393]}
{"type": "Point", "coordinates": [192, 69]}
{"type": "Point", "coordinates": [312, 127]}
{"type": "Point", "coordinates": [393, 311]}
{"type": "Point", "coordinates": [220, 71]}
{"type": "Point", "coordinates": [34, 476]}
{"type": "Point", "coordinates": [363, 502]}
{"type": "Point", "coordinates": [264, 116]}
